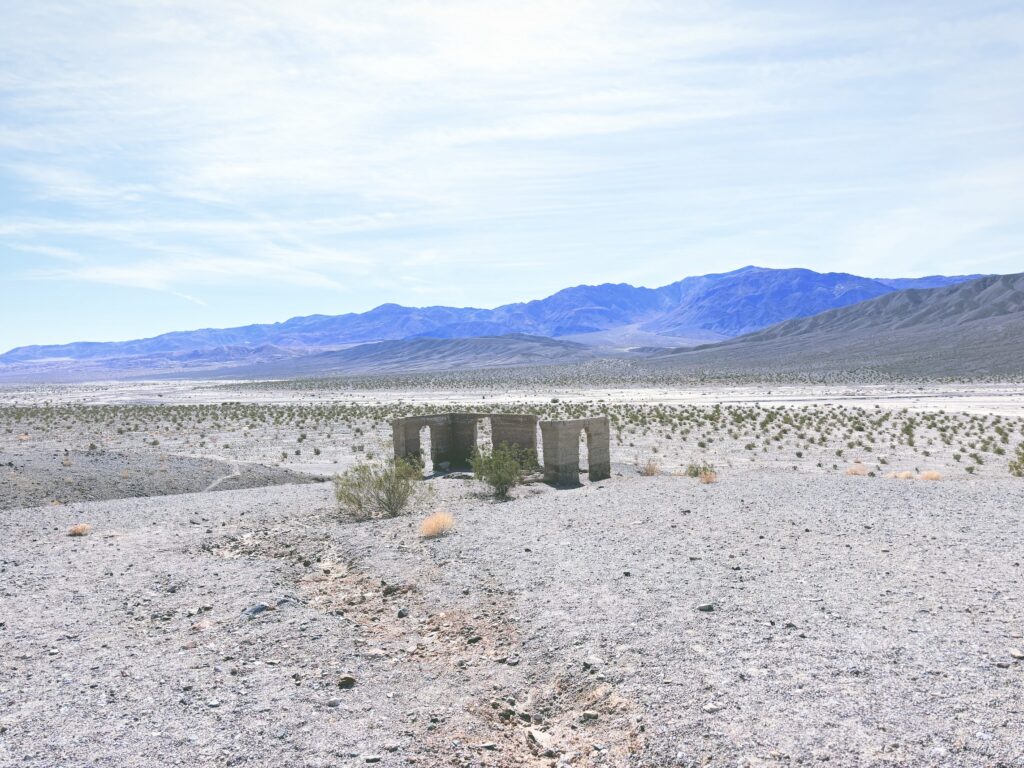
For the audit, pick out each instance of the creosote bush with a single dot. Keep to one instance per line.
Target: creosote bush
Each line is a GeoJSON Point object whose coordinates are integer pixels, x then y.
{"type": "Point", "coordinates": [503, 468]}
{"type": "Point", "coordinates": [380, 489]}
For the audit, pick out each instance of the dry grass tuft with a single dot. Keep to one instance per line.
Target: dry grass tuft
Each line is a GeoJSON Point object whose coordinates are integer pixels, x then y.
{"type": "Point", "coordinates": [707, 477]}
{"type": "Point", "coordinates": [649, 468]}
{"type": "Point", "coordinates": [904, 475]}
{"type": "Point", "coordinates": [857, 470]}
{"type": "Point", "coordinates": [79, 529]}
{"type": "Point", "coordinates": [437, 524]}
{"type": "Point", "coordinates": [929, 474]}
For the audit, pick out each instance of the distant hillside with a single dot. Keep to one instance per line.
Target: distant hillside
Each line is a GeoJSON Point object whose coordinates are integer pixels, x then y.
{"type": "Point", "coordinates": [753, 298]}
{"type": "Point", "coordinates": [408, 355]}
{"type": "Point", "coordinates": [973, 328]}
{"type": "Point", "coordinates": [607, 317]}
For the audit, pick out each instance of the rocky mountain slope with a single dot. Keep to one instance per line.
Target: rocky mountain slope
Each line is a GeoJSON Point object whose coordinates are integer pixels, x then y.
{"type": "Point", "coordinates": [973, 328]}
{"type": "Point", "coordinates": [693, 310]}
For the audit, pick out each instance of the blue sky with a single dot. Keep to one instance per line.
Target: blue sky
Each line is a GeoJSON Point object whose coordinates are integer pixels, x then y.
{"type": "Point", "coordinates": [193, 164]}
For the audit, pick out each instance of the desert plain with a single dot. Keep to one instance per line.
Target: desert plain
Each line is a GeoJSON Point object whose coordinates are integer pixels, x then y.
{"type": "Point", "coordinates": [843, 589]}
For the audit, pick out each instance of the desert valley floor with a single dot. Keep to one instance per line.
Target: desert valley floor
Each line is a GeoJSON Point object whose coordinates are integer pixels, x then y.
{"type": "Point", "coordinates": [821, 603]}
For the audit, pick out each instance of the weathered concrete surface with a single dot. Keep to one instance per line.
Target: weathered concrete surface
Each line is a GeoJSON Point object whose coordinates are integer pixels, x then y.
{"type": "Point", "coordinates": [452, 437]}
{"type": "Point", "coordinates": [562, 449]}
{"type": "Point", "coordinates": [514, 429]}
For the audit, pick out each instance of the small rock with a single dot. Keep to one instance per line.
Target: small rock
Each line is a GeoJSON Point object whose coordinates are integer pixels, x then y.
{"type": "Point", "coordinates": [713, 707]}
{"type": "Point", "coordinates": [1016, 653]}
{"type": "Point", "coordinates": [256, 610]}
{"type": "Point", "coordinates": [589, 714]}
{"type": "Point", "coordinates": [213, 703]}
{"type": "Point", "coordinates": [512, 660]}
{"type": "Point", "coordinates": [334, 702]}
{"type": "Point", "coordinates": [403, 613]}
{"type": "Point", "coordinates": [706, 607]}
{"type": "Point", "coordinates": [346, 682]}
{"type": "Point", "coordinates": [372, 758]}
{"type": "Point", "coordinates": [542, 741]}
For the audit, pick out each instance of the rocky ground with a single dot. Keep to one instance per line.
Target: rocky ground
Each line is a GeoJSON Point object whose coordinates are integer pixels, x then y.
{"type": "Point", "coordinates": [36, 475]}
{"type": "Point", "coordinates": [774, 617]}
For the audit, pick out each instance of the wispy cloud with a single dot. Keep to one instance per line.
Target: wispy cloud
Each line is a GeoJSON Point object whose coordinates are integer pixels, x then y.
{"type": "Point", "coordinates": [363, 146]}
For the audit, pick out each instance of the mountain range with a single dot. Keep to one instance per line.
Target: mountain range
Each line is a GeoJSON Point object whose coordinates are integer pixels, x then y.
{"type": "Point", "coordinates": [972, 329]}
{"type": "Point", "coordinates": [609, 317]}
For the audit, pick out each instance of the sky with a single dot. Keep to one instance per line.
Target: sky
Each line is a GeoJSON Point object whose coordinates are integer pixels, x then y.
{"type": "Point", "coordinates": [176, 165]}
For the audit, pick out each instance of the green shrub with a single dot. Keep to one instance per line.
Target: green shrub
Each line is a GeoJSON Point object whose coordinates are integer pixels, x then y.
{"type": "Point", "coordinates": [503, 468]}
{"type": "Point", "coordinates": [381, 489]}
{"type": "Point", "coordinates": [1017, 465]}
{"type": "Point", "coordinates": [696, 470]}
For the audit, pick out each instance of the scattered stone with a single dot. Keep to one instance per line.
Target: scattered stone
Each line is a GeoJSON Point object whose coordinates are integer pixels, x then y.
{"type": "Point", "coordinates": [713, 707]}
{"type": "Point", "coordinates": [706, 607]}
{"type": "Point", "coordinates": [1016, 653]}
{"type": "Point", "coordinates": [334, 702]}
{"type": "Point", "coordinates": [589, 714]}
{"type": "Point", "coordinates": [403, 613]}
{"type": "Point", "coordinates": [542, 741]}
{"type": "Point", "coordinates": [255, 610]}
{"type": "Point", "coordinates": [346, 682]}
{"type": "Point", "coordinates": [213, 703]}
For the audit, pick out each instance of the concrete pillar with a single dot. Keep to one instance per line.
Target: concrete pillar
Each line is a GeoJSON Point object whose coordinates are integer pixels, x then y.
{"type": "Point", "coordinates": [562, 450]}
{"type": "Point", "coordinates": [599, 448]}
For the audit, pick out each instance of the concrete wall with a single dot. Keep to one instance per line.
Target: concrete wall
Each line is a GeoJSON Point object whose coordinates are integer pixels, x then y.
{"type": "Point", "coordinates": [453, 440]}
{"type": "Point", "coordinates": [562, 449]}
{"type": "Point", "coordinates": [514, 429]}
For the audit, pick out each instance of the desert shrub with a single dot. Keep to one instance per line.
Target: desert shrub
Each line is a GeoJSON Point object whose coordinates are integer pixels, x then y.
{"type": "Point", "coordinates": [1017, 465]}
{"type": "Point", "coordinates": [503, 468]}
{"type": "Point", "coordinates": [857, 470]}
{"type": "Point", "coordinates": [929, 474]}
{"type": "Point", "coordinates": [709, 476]}
{"type": "Point", "coordinates": [700, 468]}
{"type": "Point", "coordinates": [437, 524]}
{"type": "Point", "coordinates": [648, 467]}
{"type": "Point", "coordinates": [79, 529]}
{"type": "Point", "coordinates": [381, 489]}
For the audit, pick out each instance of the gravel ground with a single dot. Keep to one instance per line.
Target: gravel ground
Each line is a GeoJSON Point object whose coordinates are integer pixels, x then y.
{"type": "Point", "coordinates": [37, 475]}
{"type": "Point", "coordinates": [851, 621]}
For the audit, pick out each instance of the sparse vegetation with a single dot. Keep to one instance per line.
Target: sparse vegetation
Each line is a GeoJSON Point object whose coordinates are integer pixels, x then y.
{"type": "Point", "coordinates": [381, 489]}
{"type": "Point", "coordinates": [503, 468]}
{"type": "Point", "coordinates": [80, 529]}
{"type": "Point", "coordinates": [437, 524]}
{"type": "Point", "coordinates": [648, 467]}
{"type": "Point", "coordinates": [1017, 464]}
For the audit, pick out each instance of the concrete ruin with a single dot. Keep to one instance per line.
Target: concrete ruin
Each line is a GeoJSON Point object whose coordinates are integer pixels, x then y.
{"type": "Point", "coordinates": [562, 450]}
{"type": "Point", "coordinates": [453, 439]}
